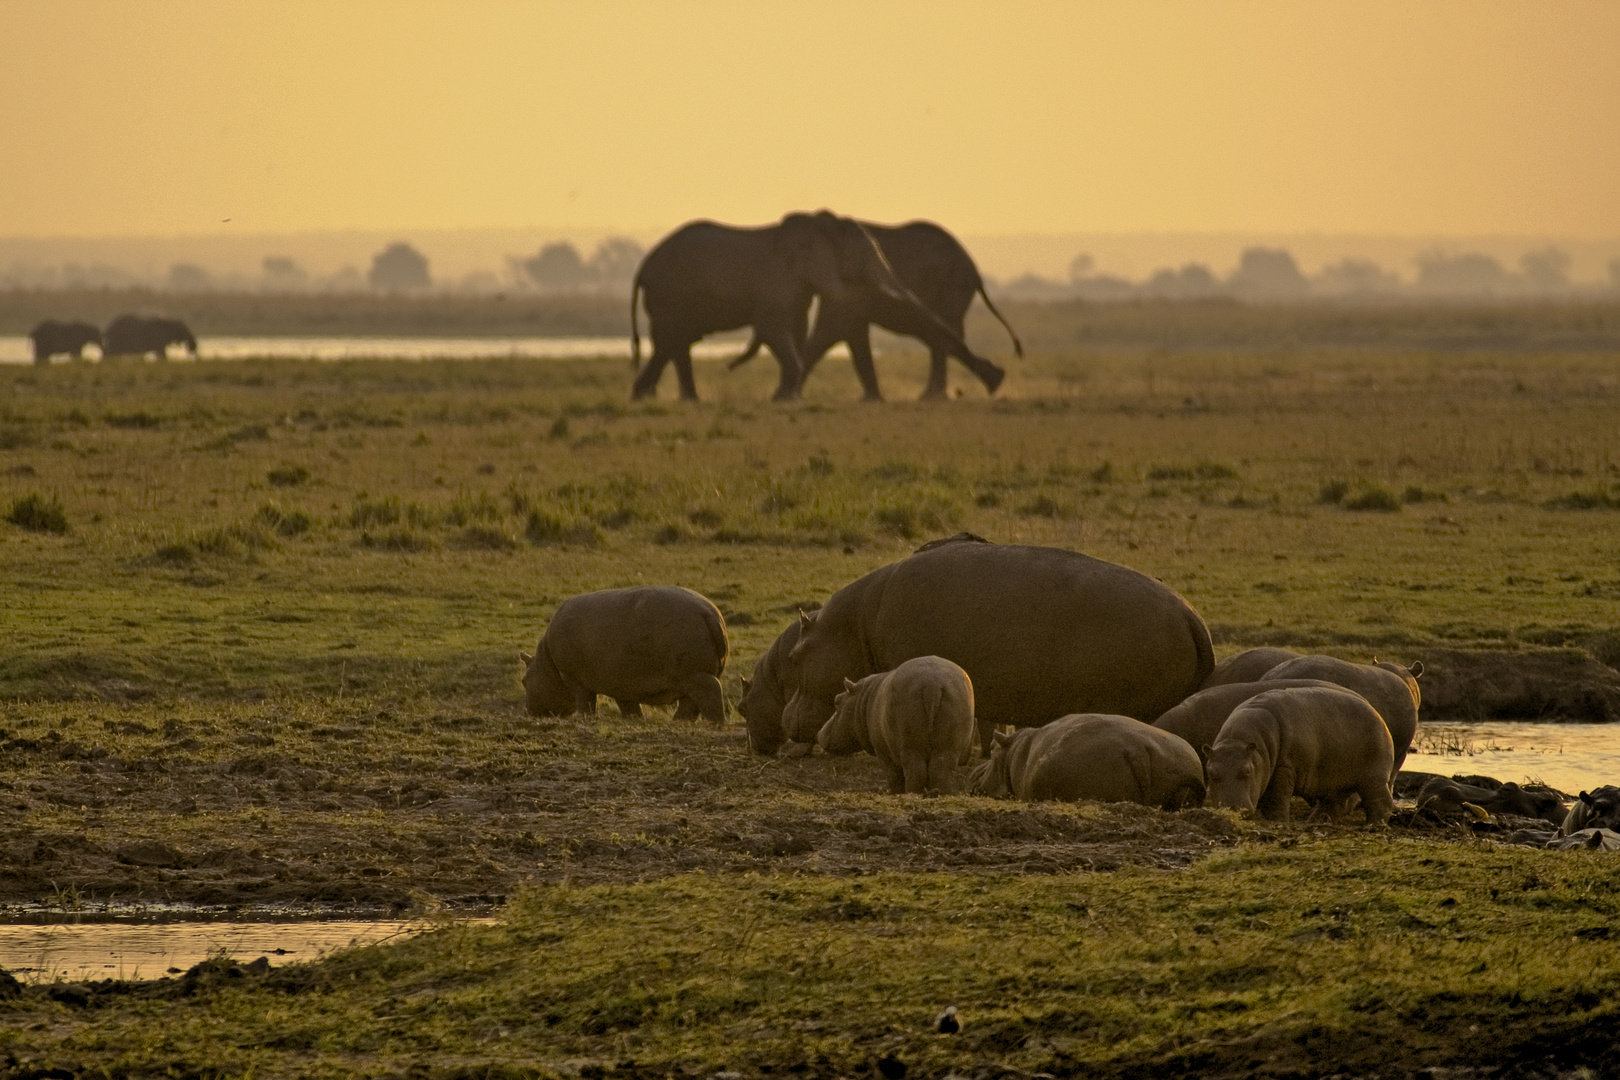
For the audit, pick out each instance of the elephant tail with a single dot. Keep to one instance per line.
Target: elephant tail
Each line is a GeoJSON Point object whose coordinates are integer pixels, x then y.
{"type": "Point", "coordinates": [635, 330]}
{"type": "Point", "coordinates": [1018, 346]}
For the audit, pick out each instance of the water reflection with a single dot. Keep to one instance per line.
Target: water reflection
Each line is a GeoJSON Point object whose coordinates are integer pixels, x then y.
{"type": "Point", "coordinates": [1570, 757]}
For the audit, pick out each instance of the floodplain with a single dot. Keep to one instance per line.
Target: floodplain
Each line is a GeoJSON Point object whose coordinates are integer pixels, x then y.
{"type": "Point", "coordinates": [263, 621]}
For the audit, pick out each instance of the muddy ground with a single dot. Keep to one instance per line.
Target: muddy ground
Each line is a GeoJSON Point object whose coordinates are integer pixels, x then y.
{"type": "Point", "coordinates": [362, 808]}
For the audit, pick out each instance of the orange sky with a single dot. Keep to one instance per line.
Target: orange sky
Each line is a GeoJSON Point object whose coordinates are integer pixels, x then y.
{"type": "Point", "coordinates": [123, 117]}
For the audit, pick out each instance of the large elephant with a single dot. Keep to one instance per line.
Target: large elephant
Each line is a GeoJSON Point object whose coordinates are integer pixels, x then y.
{"type": "Point", "coordinates": [1042, 632]}
{"type": "Point", "coordinates": [55, 338]}
{"type": "Point", "coordinates": [706, 277]}
{"type": "Point", "coordinates": [138, 335]}
{"type": "Point", "coordinates": [937, 270]}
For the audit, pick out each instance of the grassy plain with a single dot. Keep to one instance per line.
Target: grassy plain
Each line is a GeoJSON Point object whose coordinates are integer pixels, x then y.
{"type": "Point", "coordinates": [270, 655]}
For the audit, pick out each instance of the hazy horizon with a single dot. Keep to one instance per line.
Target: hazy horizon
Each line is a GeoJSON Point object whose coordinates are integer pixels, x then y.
{"type": "Point", "coordinates": [1454, 118]}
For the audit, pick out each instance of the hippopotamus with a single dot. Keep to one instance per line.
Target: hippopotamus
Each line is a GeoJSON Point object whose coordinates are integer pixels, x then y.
{"type": "Point", "coordinates": [1588, 840]}
{"type": "Point", "coordinates": [1248, 665]}
{"type": "Point", "coordinates": [916, 719]}
{"type": "Point", "coordinates": [1595, 809]}
{"type": "Point", "coordinates": [648, 644]}
{"type": "Point", "coordinates": [1200, 717]}
{"type": "Point", "coordinates": [1392, 689]}
{"type": "Point", "coordinates": [1093, 756]}
{"type": "Point", "coordinates": [1322, 743]}
{"type": "Point", "coordinates": [1042, 632]}
{"type": "Point", "coordinates": [1452, 797]}
{"type": "Point", "coordinates": [765, 693]}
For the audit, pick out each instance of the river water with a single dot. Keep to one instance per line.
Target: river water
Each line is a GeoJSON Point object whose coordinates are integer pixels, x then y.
{"type": "Point", "coordinates": [19, 350]}
{"type": "Point", "coordinates": [1569, 757]}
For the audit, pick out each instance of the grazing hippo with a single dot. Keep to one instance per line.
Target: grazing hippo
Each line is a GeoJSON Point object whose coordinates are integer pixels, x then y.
{"type": "Point", "coordinates": [1042, 632]}
{"type": "Point", "coordinates": [1248, 666]}
{"type": "Point", "coordinates": [916, 719]}
{"type": "Point", "coordinates": [1200, 717]}
{"type": "Point", "coordinates": [1392, 689]}
{"type": "Point", "coordinates": [1449, 797]}
{"type": "Point", "coordinates": [648, 644]}
{"type": "Point", "coordinates": [1093, 756]}
{"type": "Point", "coordinates": [1595, 809]}
{"type": "Point", "coordinates": [1322, 743]}
{"type": "Point", "coordinates": [765, 693]}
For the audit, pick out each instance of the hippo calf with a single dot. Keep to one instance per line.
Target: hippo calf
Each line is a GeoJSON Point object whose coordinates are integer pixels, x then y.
{"type": "Point", "coordinates": [1199, 719]}
{"type": "Point", "coordinates": [1094, 756]}
{"type": "Point", "coordinates": [1392, 690]}
{"type": "Point", "coordinates": [916, 719]}
{"type": "Point", "coordinates": [648, 644]}
{"type": "Point", "coordinates": [1248, 665]}
{"type": "Point", "coordinates": [1322, 743]}
{"type": "Point", "coordinates": [1595, 809]}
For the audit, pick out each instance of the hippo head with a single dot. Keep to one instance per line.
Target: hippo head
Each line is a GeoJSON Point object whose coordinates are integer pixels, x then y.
{"type": "Point", "coordinates": [1599, 809]}
{"type": "Point", "coordinates": [820, 662]}
{"type": "Point", "coordinates": [1235, 776]}
{"type": "Point", "coordinates": [841, 734]}
{"type": "Point", "coordinates": [1408, 675]}
{"type": "Point", "coordinates": [993, 776]}
{"type": "Point", "coordinates": [544, 692]}
{"type": "Point", "coordinates": [761, 708]}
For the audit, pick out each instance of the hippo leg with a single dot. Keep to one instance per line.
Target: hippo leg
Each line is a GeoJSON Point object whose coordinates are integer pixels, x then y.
{"type": "Point", "coordinates": [628, 708]}
{"type": "Point", "coordinates": [705, 695]}
{"type": "Point", "coordinates": [942, 774]}
{"type": "Point", "coordinates": [897, 780]}
{"type": "Point", "coordinates": [1376, 801]}
{"type": "Point", "coordinates": [685, 708]}
{"type": "Point", "coordinates": [584, 701]}
{"type": "Point", "coordinates": [1277, 802]}
{"type": "Point", "coordinates": [914, 772]}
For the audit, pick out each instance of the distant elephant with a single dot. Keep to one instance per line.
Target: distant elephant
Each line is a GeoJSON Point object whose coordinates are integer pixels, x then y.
{"type": "Point", "coordinates": [55, 338]}
{"type": "Point", "coordinates": [934, 266]}
{"type": "Point", "coordinates": [138, 335]}
{"type": "Point", "coordinates": [707, 277]}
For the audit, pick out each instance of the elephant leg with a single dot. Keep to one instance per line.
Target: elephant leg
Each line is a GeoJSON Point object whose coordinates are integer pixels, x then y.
{"type": "Point", "coordinates": [935, 390]}
{"type": "Point", "coordinates": [860, 353]}
{"type": "Point", "coordinates": [646, 384]}
{"type": "Point", "coordinates": [683, 372]}
{"type": "Point", "coordinates": [780, 341]}
{"type": "Point", "coordinates": [989, 373]}
{"type": "Point", "coordinates": [628, 708]}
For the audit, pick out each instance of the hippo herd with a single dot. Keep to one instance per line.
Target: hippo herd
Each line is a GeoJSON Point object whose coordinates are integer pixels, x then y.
{"type": "Point", "coordinates": [1105, 676]}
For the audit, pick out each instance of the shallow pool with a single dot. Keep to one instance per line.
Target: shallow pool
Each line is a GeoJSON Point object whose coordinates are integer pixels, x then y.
{"type": "Point", "coordinates": [1569, 757]}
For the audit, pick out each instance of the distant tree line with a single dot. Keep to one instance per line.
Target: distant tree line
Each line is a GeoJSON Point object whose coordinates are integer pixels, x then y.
{"type": "Point", "coordinates": [1266, 273]}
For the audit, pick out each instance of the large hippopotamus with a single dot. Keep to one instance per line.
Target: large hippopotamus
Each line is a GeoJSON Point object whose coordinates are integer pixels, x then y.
{"type": "Point", "coordinates": [648, 644]}
{"type": "Point", "coordinates": [916, 719]}
{"type": "Point", "coordinates": [1200, 718]}
{"type": "Point", "coordinates": [1093, 756]}
{"type": "Point", "coordinates": [1042, 632]}
{"type": "Point", "coordinates": [1392, 689]}
{"type": "Point", "coordinates": [1248, 665]}
{"type": "Point", "coordinates": [1595, 809]}
{"type": "Point", "coordinates": [1322, 743]}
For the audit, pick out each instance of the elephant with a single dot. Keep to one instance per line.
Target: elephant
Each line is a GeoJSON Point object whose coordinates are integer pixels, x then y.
{"type": "Point", "coordinates": [931, 263]}
{"type": "Point", "coordinates": [706, 277]}
{"type": "Point", "coordinates": [138, 335]}
{"type": "Point", "coordinates": [55, 338]}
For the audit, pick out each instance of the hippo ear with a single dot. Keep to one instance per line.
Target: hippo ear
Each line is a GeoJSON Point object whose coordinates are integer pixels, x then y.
{"type": "Point", "coordinates": [806, 620]}
{"type": "Point", "coordinates": [1416, 669]}
{"type": "Point", "coordinates": [1000, 738]}
{"type": "Point", "coordinates": [746, 683]}
{"type": "Point", "coordinates": [849, 684]}
{"type": "Point", "coordinates": [1586, 797]}
{"type": "Point", "coordinates": [1205, 752]}
{"type": "Point", "coordinates": [527, 660]}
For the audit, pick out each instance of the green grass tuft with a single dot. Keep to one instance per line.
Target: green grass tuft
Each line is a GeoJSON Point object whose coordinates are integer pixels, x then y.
{"type": "Point", "coordinates": [36, 513]}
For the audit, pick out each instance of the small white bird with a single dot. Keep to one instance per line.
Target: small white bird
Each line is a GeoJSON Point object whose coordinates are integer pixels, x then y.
{"type": "Point", "coordinates": [947, 1022]}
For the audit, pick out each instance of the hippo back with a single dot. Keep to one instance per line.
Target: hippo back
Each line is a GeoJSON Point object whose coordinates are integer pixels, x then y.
{"type": "Point", "coordinates": [1392, 691]}
{"type": "Point", "coordinates": [1109, 759]}
{"type": "Point", "coordinates": [1198, 719]}
{"type": "Point", "coordinates": [1248, 666]}
{"type": "Point", "coordinates": [641, 636]}
{"type": "Point", "coordinates": [1042, 633]}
